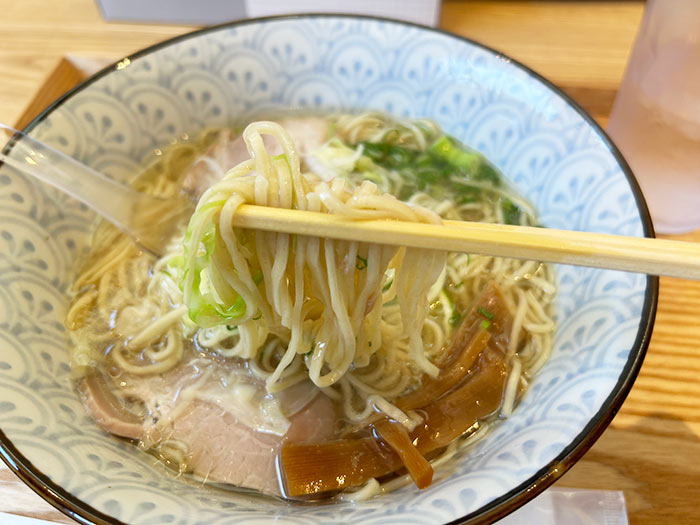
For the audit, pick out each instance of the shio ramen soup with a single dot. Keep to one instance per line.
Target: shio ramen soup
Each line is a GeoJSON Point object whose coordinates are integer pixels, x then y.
{"type": "Point", "coordinates": [300, 366]}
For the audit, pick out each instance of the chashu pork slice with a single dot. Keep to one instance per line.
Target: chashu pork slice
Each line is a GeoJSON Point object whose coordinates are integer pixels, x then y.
{"type": "Point", "coordinates": [224, 451]}
{"type": "Point", "coordinates": [229, 150]}
{"type": "Point", "coordinates": [221, 449]}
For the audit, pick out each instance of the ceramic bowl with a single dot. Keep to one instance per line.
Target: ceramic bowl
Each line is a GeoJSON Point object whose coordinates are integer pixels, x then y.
{"type": "Point", "coordinates": [116, 121]}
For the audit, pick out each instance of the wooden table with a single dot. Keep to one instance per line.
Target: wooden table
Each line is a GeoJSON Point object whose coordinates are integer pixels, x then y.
{"type": "Point", "coordinates": [651, 451]}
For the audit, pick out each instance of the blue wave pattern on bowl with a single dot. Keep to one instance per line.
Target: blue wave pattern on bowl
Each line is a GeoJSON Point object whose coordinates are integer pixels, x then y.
{"type": "Point", "coordinates": [330, 63]}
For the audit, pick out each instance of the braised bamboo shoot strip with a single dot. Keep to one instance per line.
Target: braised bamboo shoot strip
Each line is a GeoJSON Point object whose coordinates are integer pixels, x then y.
{"type": "Point", "coordinates": [318, 468]}
{"type": "Point", "coordinates": [396, 436]}
{"type": "Point", "coordinates": [449, 377]}
{"type": "Point", "coordinates": [464, 347]}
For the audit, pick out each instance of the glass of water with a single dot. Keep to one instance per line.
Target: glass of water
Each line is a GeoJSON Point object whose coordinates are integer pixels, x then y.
{"type": "Point", "coordinates": [655, 120]}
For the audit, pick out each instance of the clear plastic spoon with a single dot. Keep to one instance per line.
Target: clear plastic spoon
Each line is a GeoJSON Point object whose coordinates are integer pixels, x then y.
{"type": "Point", "coordinates": [121, 205]}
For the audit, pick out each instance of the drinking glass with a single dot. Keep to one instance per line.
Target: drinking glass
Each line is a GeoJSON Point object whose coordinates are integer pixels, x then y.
{"type": "Point", "coordinates": [655, 120]}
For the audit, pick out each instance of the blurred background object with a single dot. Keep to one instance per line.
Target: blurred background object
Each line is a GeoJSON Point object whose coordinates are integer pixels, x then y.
{"type": "Point", "coordinates": [205, 12]}
{"type": "Point", "coordinates": [655, 120]}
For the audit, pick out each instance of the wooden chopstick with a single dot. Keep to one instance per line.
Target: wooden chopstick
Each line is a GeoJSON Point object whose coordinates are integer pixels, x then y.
{"type": "Point", "coordinates": [598, 250]}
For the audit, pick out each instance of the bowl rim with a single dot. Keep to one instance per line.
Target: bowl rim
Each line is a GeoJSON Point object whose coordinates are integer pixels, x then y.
{"type": "Point", "coordinates": [84, 513]}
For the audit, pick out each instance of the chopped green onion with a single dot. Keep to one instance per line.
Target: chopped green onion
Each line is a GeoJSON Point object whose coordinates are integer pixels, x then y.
{"type": "Point", "coordinates": [484, 325]}
{"type": "Point", "coordinates": [455, 316]}
{"type": "Point", "coordinates": [428, 176]}
{"type": "Point", "coordinates": [447, 167]}
{"type": "Point", "coordinates": [361, 262]}
{"type": "Point", "coordinates": [203, 308]}
{"type": "Point", "coordinates": [391, 302]}
{"type": "Point", "coordinates": [176, 262]}
{"type": "Point", "coordinates": [449, 150]}
{"type": "Point", "coordinates": [487, 172]}
{"type": "Point", "coordinates": [386, 287]}
{"type": "Point", "coordinates": [511, 212]}
{"type": "Point", "coordinates": [485, 313]}
{"type": "Point", "coordinates": [307, 354]}
{"type": "Point", "coordinates": [364, 164]}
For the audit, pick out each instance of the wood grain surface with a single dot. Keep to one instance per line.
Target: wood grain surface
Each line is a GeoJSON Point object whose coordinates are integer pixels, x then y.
{"type": "Point", "coordinates": [651, 451]}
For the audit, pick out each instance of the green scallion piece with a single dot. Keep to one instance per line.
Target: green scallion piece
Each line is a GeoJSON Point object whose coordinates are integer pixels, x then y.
{"type": "Point", "coordinates": [511, 212]}
{"type": "Point", "coordinates": [387, 285]}
{"type": "Point", "coordinates": [485, 313]}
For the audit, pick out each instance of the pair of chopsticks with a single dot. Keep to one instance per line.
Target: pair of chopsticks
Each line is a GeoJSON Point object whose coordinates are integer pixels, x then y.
{"type": "Point", "coordinates": [598, 250]}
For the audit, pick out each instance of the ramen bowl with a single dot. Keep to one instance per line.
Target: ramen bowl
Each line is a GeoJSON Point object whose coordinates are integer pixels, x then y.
{"type": "Point", "coordinates": [119, 120]}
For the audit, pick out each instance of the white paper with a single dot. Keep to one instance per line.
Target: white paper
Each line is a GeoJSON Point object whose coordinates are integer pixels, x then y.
{"type": "Point", "coordinates": [557, 506]}
{"type": "Point", "coordinates": [13, 519]}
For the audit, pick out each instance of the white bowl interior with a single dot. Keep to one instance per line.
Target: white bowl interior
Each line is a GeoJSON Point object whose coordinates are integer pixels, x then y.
{"type": "Point", "coordinates": [546, 147]}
